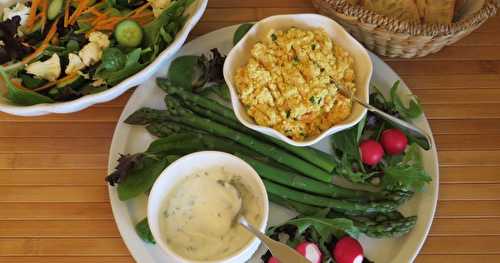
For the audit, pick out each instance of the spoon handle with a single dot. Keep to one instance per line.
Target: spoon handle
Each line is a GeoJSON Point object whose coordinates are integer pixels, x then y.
{"type": "Point", "coordinates": [279, 250]}
{"type": "Point", "coordinates": [424, 140]}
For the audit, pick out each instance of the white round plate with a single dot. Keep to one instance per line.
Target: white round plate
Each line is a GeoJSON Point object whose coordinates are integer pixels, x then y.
{"type": "Point", "coordinates": [132, 139]}
{"type": "Point", "coordinates": [195, 11]}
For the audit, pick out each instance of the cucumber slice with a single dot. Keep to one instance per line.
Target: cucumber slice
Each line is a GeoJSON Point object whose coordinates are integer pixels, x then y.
{"type": "Point", "coordinates": [128, 33]}
{"type": "Point", "coordinates": [55, 8]}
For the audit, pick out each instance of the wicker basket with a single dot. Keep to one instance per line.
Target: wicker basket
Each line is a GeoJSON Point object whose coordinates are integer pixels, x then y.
{"type": "Point", "coordinates": [391, 37]}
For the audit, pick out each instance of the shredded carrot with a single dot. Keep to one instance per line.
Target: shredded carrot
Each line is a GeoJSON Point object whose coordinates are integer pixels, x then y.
{"type": "Point", "coordinates": [55, 82]}
{"type": "Point", "coordinates": [32, 15]}
{"type": "Point", "coordinates": [44, 45]}
{"type": "Point", "coordinates": [81, 7]}
{"type": "Point", "coordinates": [140, 9]}
{"type": "Point", "coordinates": [45, 7]}
{"type": "Point", "coordinates": [66, 13]}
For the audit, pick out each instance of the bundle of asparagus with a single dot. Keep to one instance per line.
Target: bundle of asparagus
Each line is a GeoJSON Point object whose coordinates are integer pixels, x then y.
{"type": "Point", "coordinates": [296, 177]}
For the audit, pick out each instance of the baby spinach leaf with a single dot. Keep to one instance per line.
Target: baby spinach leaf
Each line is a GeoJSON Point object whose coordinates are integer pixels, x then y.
{"type": "Point", "coordinates": [131, 67]}
{"type": "Point", "coordinates": [30, 82]}
{"type": "Point", "coordinates": [152, 30]}
{"type": "Point", "coordinates": [113, 59]}
{"type": "Point", "coordinates": [140, 179]}
{"type": "Point", "coordinates": [21, 96]}
{"type": "Point", "coordinates": [187, 72]}
{"type": "Point", "coordinates": [241, 32]}
{"type": "Point", "coordinates": [142, 229]}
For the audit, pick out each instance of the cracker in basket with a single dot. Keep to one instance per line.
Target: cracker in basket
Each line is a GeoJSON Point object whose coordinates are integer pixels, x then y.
{"type": "Point", "coordinates": [436, 11]}
{"type": "Point", "coordinates": [402, 9]}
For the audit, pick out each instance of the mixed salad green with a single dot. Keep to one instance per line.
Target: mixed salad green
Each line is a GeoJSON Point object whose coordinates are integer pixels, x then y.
{"type": "Point", "coordinates": [60, 50]}
{"type": "Point", "coordinates": [330, 217]}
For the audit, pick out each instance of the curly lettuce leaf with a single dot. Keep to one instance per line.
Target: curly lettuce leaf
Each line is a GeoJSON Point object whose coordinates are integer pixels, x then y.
{"type": "Point", "coordinates": [406, 175]}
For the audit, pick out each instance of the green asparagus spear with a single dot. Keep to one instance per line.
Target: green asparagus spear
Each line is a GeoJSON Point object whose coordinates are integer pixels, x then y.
{"type": "Point", "coordinates": [318, 158]}
{"type": "Point", "coordinates": [165, 129]}
{"type": "Point", "coordinates": [300, 182]}
{"type": "Point", "coordinates": [178, 114]}
{"type": "Point", "coordinates": [346, 207]}
{"type": "Point", "coordinates": [385, 228]}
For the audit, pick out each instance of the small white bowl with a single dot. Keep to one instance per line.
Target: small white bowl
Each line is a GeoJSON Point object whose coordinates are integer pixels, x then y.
{"type": "Point", "coordinates": [194, 12]}
{"type": "Point", "coordinates": [239, 55]}
{"type": "Point", "coordinates": [188, 165]}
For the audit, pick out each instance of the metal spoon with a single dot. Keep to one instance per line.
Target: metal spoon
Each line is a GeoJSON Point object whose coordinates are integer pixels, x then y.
{"type": "Point", "coordinates": [279, 250]}
{"type": "Point", "coordinates": [423, 139]}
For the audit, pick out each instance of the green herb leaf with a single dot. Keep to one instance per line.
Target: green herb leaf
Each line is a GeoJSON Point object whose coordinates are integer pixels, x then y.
{"type": "Point", "coordinates": [21, 96]}
{"type": "Point", "coordinates": [407, 175]}
{"type": "Point", "coordinates": [144, 232]}
{"type": "Point", "coordinates": [414, 109]}
{"type": "Point", "coordinates": [241, 32]}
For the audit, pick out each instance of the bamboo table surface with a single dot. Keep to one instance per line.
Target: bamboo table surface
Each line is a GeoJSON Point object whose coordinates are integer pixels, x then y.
{"type": "Point", "coordinates": [54, 203]}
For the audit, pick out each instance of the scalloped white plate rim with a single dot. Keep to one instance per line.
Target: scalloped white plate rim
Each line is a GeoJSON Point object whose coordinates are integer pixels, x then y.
{"type": "Point", "coordinates": [196, 11]}
{"type": "Point", "coordinates": [130, 139]}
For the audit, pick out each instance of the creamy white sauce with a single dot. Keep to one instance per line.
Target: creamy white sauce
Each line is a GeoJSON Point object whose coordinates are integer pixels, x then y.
{"type": "Point", "coordinates": [198, 216]}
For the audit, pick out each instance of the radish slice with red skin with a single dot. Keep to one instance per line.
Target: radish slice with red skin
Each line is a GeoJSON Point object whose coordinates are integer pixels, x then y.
{"type": "Point", "coordinates": [394, 141]}
{"type": "Point", "coordinates": [310, 251]}
{"type": "Point", "coordinates": [371, 152]}
{"type": "Point", "coordinates": [273, 260]}
{"type": "Point", "coordinates": [348, 250]}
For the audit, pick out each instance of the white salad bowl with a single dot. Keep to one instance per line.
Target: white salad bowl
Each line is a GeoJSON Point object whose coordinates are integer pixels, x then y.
{"type": "Point", "coordinates": [240, 54]}
{"type": "Point", "coordinates": [188, 165]}
{"type": "Point", "coordinates": [195, 11]}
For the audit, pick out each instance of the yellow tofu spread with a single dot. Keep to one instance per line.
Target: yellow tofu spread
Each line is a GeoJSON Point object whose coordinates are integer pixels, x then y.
{"type": "Point", "coordinates": [290, 82]}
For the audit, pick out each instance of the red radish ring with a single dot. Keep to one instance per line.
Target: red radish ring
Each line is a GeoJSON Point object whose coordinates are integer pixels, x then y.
{"type": "Point", "coordinates": [310, 251]}
{"type": "Point", "coordinates": [348, 250]}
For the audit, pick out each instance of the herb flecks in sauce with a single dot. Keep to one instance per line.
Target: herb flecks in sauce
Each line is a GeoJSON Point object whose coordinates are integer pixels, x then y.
{"type": "Point", "coordinates": [200, 214]}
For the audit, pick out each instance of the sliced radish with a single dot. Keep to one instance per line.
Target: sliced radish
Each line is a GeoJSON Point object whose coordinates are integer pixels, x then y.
{"type": "Point", "coordinates": [273, 260]}
{"type": "Point", "coordinates": [348, 250]}
{"type": "Point", "coordinates": [310, 251]}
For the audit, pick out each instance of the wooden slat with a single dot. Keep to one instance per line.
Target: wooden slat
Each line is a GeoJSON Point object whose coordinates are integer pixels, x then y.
{"type": "Point", "coordinates": [460, 53]}
{"type": "Point", "coordinates": [463, 227]}
{"type": "Point", "coordinates": [462, 111]}
{"type": "Point", "coordinates": [56, 129]}
{"type": "Point", "coordinates": [63, 247]}
{"type": "Point", "coordinates": [443, 68]}
{"type": "Point", "coordinates": [452, 82]}
{"type": "Point", "coordinates": [50, 161]}
{"type": "Point", "coordinates": [462, 245]}
{"type": "Point", "coordinates": [468, 209]}
{"type": "Point", "coordinates": [466, 126]}
{"type": "Point", "coordinates": [66, 194]}
{"type": "Point", "coordinates": [56, 211]}
{"type": "Point", "coordinates": [93, 114]}
{"type": "Point", "coordinates": [266, 12]}
{"type": "Point", "coordinates": [52, 177]}
{"type": "Point", "coordinates": [469, 96]}
{"type": "Point", "coordinates": [258, 3]}
{"type": "Point", "coordinates": [479, 39]}
{"type": "Point", "coordinates": [469, 174]}
{"type": "Point", "coordinates": [66, 259]}
{"type": "Point", "coordinates": [63, 228]}
{"type": "Point", "coordinates": [456, 258]}
{"type": "Point", "coordinates": [229, 15]}
{"type": "Point", "coordinates": [469, 158]}
{"type": "Point", "coordinates": [469, 192]}
{"type": "Point", "coordinates": [55, 145]}
{"type": "Point", "coordinates": [468, 142]}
